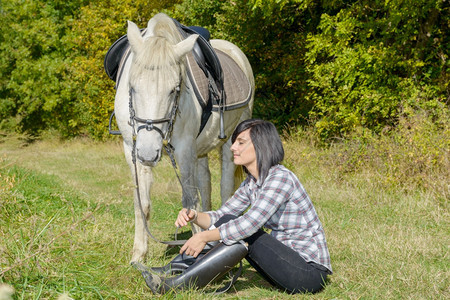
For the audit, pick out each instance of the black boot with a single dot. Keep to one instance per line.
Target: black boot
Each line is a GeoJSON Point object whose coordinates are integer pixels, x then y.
{"type": "Point", "coordinates": [177, 265]}
{"type": "Point", "coordinates": [213, 265]}
{"type": "Point", "coordinates": [181, 262]}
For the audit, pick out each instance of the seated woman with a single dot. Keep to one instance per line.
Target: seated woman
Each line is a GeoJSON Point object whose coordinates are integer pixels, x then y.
{"type": "Point", "coordinates": [293, 256]}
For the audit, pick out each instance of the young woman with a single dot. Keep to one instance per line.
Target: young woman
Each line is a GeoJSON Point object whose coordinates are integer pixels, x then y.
{"type": "Point", "coordinates": [293, 256]}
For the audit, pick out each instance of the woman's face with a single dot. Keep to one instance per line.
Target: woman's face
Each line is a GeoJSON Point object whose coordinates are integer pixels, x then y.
{"type": "Point", "coordinates": [244, 152]}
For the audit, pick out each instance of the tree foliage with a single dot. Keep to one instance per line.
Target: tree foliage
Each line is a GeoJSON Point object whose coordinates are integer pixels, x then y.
{"type": "Point", "coordinates": [372, 60]}
{"type": "Point", "coordinates": [34, 87]}
{"type": "Point", "coordinates": [100, 23]}
{"type": "Point", "coordinates": [275, 45]}
{"type": "Point", "coordinates": [52, 62]}
{"type": "Point", "coordinates": [340, 65]}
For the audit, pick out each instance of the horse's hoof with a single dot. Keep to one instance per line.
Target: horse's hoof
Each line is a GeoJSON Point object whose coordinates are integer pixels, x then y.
{"type": "Point", "coordinates": [152, 281]}
{"type": "Point", "coordinates": [138, 266]}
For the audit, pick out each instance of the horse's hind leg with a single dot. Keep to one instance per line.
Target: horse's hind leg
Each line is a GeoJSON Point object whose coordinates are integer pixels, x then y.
{"type": "Point", "coordinates": [204, 182]}
{"type": "Point", "coordinates": [227, 183]}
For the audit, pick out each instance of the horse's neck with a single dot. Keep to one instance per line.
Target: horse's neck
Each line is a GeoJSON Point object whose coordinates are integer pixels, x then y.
{"type": "Point", "coordinates": [189, 104]}
{"type": "Point", "coordinates": [190, 111]}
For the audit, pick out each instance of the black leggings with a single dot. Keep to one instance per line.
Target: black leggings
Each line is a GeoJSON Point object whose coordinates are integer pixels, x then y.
{"type": "Point", "coordinates": [280, 265]}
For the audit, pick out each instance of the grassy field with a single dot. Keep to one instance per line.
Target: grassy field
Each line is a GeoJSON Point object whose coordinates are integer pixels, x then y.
{"type": "Point", "coordinates": [66, 225]}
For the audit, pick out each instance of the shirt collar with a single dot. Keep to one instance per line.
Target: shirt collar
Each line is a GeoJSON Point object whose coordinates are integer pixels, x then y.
{"type": "Point", "coordinates": [258, 182]}
{"type": "Point", "coordinates": [253, 180]}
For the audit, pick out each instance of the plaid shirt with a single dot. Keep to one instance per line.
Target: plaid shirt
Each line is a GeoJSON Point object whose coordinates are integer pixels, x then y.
{"type": "Point", "coordinates": [280, 204]}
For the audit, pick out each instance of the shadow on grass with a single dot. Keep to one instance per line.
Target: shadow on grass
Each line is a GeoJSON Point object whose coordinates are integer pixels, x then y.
{"type": "Point", "coordinates": [171, 251]}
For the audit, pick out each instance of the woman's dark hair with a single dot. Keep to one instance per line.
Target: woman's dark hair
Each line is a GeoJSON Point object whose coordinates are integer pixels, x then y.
{"type": "Point", "coordinates": [267, 142]}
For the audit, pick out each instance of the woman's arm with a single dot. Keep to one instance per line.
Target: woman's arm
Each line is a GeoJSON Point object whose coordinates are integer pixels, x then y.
{"type": "Point", "coordinates": [190, 215]}
{"type": "Point", "coordinates": [198, 241]}
{"type": "Point", "coordinates": [235, 206]}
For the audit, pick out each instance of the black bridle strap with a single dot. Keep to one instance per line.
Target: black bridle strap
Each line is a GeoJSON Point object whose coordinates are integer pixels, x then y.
{"type": "Point", "coordinates": [150, 121]}
{"type": "Point", "coordinates": [150, 127]}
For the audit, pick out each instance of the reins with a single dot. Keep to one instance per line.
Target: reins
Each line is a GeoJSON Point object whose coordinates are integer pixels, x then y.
{"type": "Point", "coordinates": [149, 125]}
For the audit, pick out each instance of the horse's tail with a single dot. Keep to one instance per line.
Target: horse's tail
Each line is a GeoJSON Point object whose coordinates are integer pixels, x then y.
{"type": "Point", "coordinates": [239, 176]}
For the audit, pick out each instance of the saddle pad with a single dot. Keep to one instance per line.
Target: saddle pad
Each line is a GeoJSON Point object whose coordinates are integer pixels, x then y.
{"type": "Point", "coordinates": [237, 86]}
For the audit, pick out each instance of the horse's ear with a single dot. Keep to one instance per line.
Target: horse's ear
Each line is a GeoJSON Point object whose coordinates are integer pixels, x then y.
{"type": "Point", "coordinates": [183, 47]}
{"type": "Point", "coordinates": [134, 36]}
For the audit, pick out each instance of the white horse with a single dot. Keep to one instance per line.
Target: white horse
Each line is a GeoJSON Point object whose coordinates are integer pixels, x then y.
{"type": "Point", "coordinates": [152, 84]}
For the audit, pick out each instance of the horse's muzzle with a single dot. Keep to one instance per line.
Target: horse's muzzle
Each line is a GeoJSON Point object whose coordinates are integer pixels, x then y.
{"type": "Point", "coordinates": [149, 161]}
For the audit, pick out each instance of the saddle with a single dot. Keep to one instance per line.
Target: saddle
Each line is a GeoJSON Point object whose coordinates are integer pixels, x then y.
{"type": "Point", "coordinates": [117, 50]}
{"type": "Point", "coordinates": [205, 71]}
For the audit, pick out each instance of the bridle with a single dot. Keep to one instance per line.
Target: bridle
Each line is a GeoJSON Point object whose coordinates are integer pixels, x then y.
{"type": "Point", "coordinates": [149, 124]}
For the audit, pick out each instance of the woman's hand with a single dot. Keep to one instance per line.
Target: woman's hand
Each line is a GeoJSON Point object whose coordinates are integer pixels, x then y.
{"type": "Point", "coordinates": [194, 245]}
{"type": "Point", "coordinates": [185, 216]}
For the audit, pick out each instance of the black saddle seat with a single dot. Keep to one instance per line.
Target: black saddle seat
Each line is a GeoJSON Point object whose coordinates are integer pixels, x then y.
{"type": "Point", "coordinates": [117, 50]}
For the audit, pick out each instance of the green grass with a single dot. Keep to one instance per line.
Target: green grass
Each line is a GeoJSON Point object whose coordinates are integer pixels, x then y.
{"type": "Point", "coordinates": [67, 222]}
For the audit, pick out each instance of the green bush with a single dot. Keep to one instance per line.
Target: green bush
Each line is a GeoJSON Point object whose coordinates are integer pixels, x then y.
{"type": "Point", "coordinates": [413, 156]}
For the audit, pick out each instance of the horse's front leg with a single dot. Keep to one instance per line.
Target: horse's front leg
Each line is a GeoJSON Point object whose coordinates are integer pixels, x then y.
{"type": "Point", "coordinates": [186, 157]}
{"type": "Point", "coordinates": [140, 247]}
{"type": "Point", "coordinates": [145, 179]}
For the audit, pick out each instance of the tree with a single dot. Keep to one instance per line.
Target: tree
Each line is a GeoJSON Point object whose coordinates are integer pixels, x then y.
{"type": "Point", "coordinates": [33, 89]}
{"type": "Point", "coordinates": [52, 62]}
{"type": "Point", "coordinates": [99, 24]}
{"type": "Point", "coordinates": [373, 60]}
{"type": "Point", "coordinates": [274, 42]}
{"type": "Point", "coordinates": [341, 65]}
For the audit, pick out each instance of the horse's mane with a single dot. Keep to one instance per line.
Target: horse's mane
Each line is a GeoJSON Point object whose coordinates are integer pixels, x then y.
{"type": "Point", "coordinates": [157, 54]}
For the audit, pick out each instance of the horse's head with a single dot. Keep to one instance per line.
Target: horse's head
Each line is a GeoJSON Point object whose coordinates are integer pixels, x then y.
{"type": "Point", "coordinates": [155, 80]}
